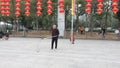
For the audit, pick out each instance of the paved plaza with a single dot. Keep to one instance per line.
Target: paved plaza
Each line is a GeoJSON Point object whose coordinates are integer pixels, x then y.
{"type": "Point", "coordinates": [36, 53]}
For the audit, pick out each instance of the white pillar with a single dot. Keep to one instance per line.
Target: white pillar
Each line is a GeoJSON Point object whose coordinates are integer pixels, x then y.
{"type": "Point", "coordinates": [61, 22]}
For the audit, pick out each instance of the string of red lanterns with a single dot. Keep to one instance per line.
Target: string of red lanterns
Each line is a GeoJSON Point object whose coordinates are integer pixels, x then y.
{"type": "Point", "coordinates": [115, 6]}
{"type": "Point", "coordinates": [3, 7]}
{"type": "Point", "coordinates": [88, 6]}
{"type": "Point", "coordinates": [100, 6]}
{"type": "Point", "coordinates": [61, 6]}
{"type": "Point", "coordinates": [27, 13]}
{"type": "Point", "coordinates": [17, 13]}
{"type": "Point", "coordinates": [7, 8]}
{"type": "Point", "coordinates": [39, 4]}
{"type": "Point", "coordinates": [49, 2]}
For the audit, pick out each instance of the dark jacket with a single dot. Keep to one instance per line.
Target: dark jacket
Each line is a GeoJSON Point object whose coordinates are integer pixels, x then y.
{"type": "Point", "coordinates": [55, 32]}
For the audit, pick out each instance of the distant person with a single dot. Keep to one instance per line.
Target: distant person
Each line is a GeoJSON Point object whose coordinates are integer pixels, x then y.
{"type": "Point", "coordinates": [2, 35]}
{"type": "Point", "coordinates": [55, 34]}
{"type": "Point", "coordinates": [7, 35]}
{"type": "Point", "coordinates": [103, 31]}
{"type": "Point", "coordinates": [81, 30]}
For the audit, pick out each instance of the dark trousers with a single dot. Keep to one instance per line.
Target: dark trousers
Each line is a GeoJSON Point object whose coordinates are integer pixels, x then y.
{"type": "Point", "coordinates": [54, 40]}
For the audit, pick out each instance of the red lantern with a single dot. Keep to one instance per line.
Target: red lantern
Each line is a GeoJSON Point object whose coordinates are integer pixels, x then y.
{"type": "Point", "coordinates": [88, 6]}
{"type": "Point", "coordinates": [49, 12]}
{"type": "Point", "coordinates": [7, 13]}
{"type": "Point", "coordinates": [18, 9]}
{"type": "Point", "coordinates": [61, 1]}
{"type": "Point", "coordinates": [39, 8]}
{"type": "Point", "coordinates": [115, 10]}
{"type": "Point", "coordinates": [49, 2]}
{"type": "Point", "coordinates": [49, 7]}
{"type": "Point", "coordinates": [100, 5]}
{"type": "Point", "coordinates": [27, 13]}
{"type": "Point", "coordinates": [27, 4]}
{"type": "Point", "coordinates": [88, 0]}
{"type": "Point", "coordinates": [88, 10]}
{"type": "Point", "coordinates": [100, 0]}
{"type": "Point", "coordinates": [39, 4]}
{"type": "Point", "coordinates": [62, 11]}
{"type": "Point", "coordinates": [3, 7]}
{"type": "Point", "coordinates": [6, 7]}
{"type": "Point", "coordinates": [39, 13]}
{"type": "Point", "coordinates": [18, 0]}
{"type": "Point", "coordinates": [17, 13]}
{"type": "Point", "coordinates": [99, 10]}
{"type": "Point", "coordinates": [18, 4]}
{"type": "Point", "coordinates": [115, 0]}
{"type": "Point", "coordinates": [27, 8]}
{"type": "Point", "coordinates": [27, 0]}
{"type": "Point", "coordinates": [61, 6]}
{"type": "Point", "coordinates": [115, 6]}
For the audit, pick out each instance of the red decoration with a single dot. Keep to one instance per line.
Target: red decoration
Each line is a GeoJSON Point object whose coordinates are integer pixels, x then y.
{"type": "Point", "coordinates": [17, 13]}
{"type": "Point", "coordinates": [62, 11]}
{"type": "Point", "coordinates": [115, 0]}
{"type": "Point", "coordinates": [49, 11]}
{"type": "Point", "coordinates": [115, 6]}
{"type": "Point", "coordinates": [49, 2]}
{"type": "Point", "coordinates": [88, 6]}
{"type": "Point", "coordinates": [115, 10]}
{"type": "Point", "coordinates": [100, 0]}
{"type": "Point", "coordinates": [5, 7]}
{"type": "Point", "coordinates": [27, 13]}
{"type": "Point", "coordinates": [88, 0]}
{"type": "Point", "coordinates": [100, 6]}
{"type": "Point", "coordinates": [61, 6]}
{"type": "Point", "coordinates": [39, 4]}
{"type": "Point", "coordinates": [99, 10]}
{"type": "Point", "coordinates": [88, 10]}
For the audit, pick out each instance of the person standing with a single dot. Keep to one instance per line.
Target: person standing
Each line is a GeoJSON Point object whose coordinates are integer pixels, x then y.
{"type": "Point", "coordinates": [103, 31]}
{"type": "Point", "coordinates": [55, 34]}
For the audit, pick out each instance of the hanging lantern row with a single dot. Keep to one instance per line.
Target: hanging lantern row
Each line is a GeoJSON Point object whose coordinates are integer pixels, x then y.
{"type": "Point", "coordinates": [17, 13]}
{"type": "Point", "coordinates": [88, 6]}
{"type": "Point", "coordinates": [5, 9]}
{"type": "Point", "coordinates": [100, 6]}
{"type": "Point", "coordinates": [27, 13]}
{"type": "Point", "coordinates": [115, 6]}
{"type": "Point", "coordinates": [49, 3]}
{"type": "Point", "coordinates": [39, 7]}
{"type": "Point", "coordinates": [2, 7]}
{"type": "Point", "coordinates": [61, 6]}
